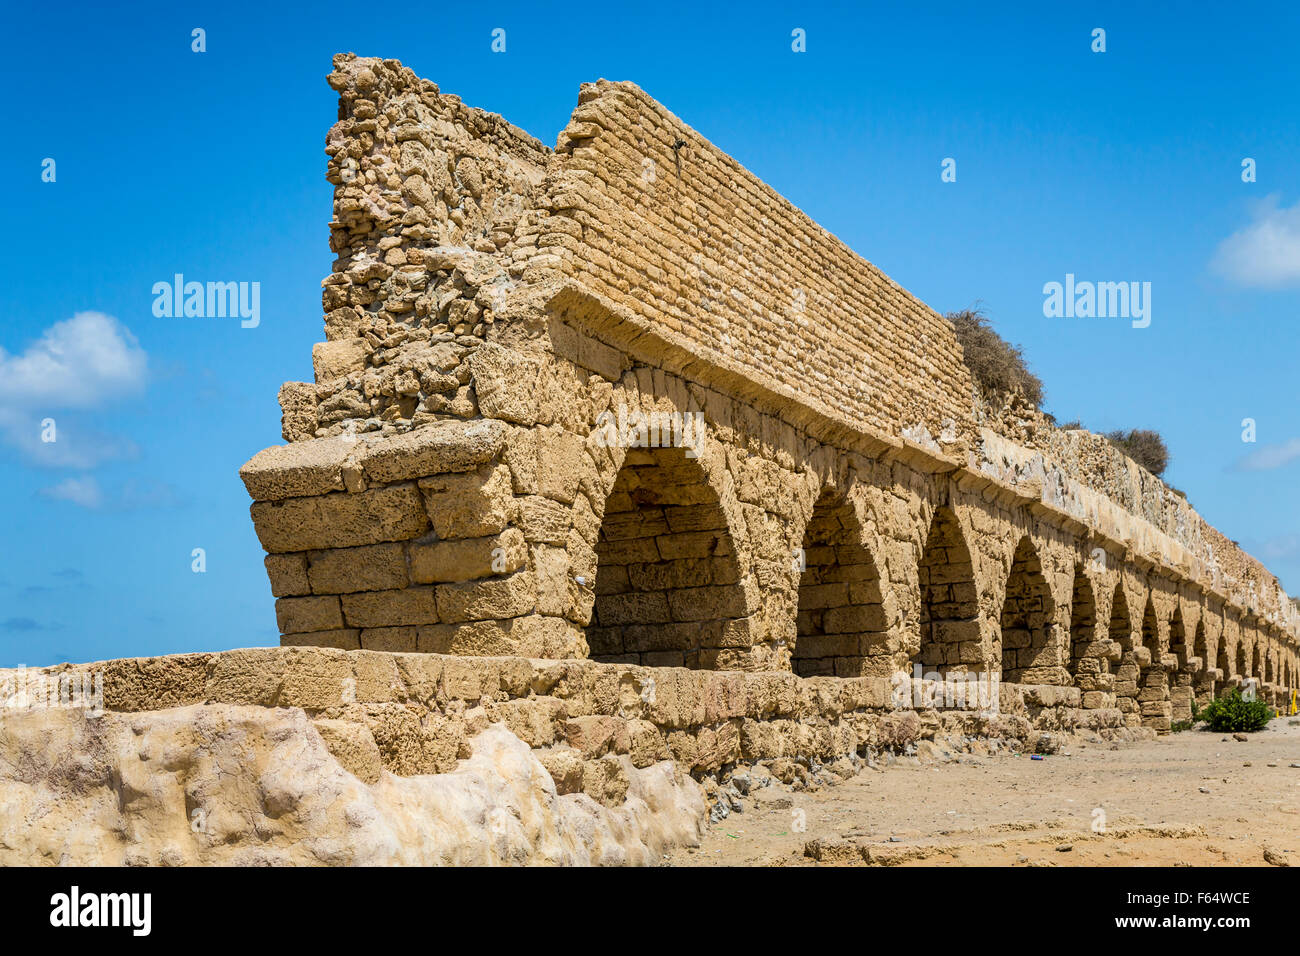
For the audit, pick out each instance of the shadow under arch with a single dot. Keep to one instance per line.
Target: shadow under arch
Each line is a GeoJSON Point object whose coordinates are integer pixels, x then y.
{"type": "Point", "coordinates": [949, 619]}
{"type": "Point", "coordinates": [1030, 652]}
{"type": "Point", "coordinates": [667, 588]}
{"type": "Point", "coordinates": [1153, 682]}
{"type": "Point", "coordinates": [842, 626]}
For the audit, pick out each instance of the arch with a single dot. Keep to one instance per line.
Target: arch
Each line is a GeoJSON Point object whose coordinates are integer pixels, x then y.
{"type": "Point", "coordinates": [1153, 682]}
{"type": "Point", "coordinates": [1121, 625]}
{"type": "Point", "coordinates": [1241, 661]}
{"type": "Point", "coordinates": [1202, 681]}
{"type": "Point", "coordinates": [949, 619]}
{"type": "Point", "coordinates": [1085, 663]}
{"type": "Point", "coordinates": [841, 623]}
{"type": "Point", "coordinates": [667, 588]}
{"type": "Point", "coordinates": [1222, 663]}
{"type": "Point", "coordinates": [1126, 673]}
{"type": "Point", "coordinates": [1255, 668]}
{"type": "Point", "coordinates": [1030, 653]}
{"type": "Point", "coordinates": [1180, 691]}
{"type": "Point", "coordinates": [1178, 637]}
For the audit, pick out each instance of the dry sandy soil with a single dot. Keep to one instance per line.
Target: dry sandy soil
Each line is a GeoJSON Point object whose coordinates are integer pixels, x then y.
{"type": "Point", "coordinates": [1193, 798]}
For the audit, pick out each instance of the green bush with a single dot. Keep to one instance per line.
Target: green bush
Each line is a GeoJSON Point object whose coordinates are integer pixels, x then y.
{"type": "Point", "coordinates": [1232, 713]}
{"type": "Point", "coordinates": [997, 366]}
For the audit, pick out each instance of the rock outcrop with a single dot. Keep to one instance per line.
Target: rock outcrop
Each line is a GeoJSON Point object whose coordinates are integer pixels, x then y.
{"type": "Point", "coordinates": [222, 784]}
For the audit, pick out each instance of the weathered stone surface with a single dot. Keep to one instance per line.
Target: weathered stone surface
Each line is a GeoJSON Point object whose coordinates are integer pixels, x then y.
{"type": "Point", "coordinates": [470, 505]}
{"type": "Point", "coordinates": [267, 786]}
{"type": "Point", "coordinates": [374, 567]}
{"type": "Point", "coordinates": [336, 359]}
{"type": "Point", "coordinates": [445, 446]}
{"type": "Point", "coordinates": [340, 520]}
{"type": "Point", "coordinates": [468, 559]}
{"type": "Point", "coordinates": [288, 574]}
{"type": "Point", "coordinates": [296, 470]}
{"type": "Point", "coordinates": [390, 608]}
{"type": "Point", "coordinates": [496, 598]}
{"type": "Point", "coordinates": [297, 615]}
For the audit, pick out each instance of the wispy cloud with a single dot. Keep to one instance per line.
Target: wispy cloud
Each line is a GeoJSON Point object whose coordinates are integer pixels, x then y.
{"type": "Point", "coordinates": [79, 491]}
{"type": "Point", "coordinates": [132, 495]}
{"type": "Point", "coordinates": [79, 363]}
{"type": "Point", "coordinates": [1266, 252]}
{"type": "Point", "coordinates": [1268, 457]}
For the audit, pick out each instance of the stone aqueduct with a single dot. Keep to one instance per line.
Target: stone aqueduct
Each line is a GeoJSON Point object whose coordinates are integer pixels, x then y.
{"type": "Point", "coordinates": [620, 400]}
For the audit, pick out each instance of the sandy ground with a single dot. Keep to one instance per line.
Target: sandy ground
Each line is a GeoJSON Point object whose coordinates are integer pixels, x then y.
{"type": "Point", "coordinates": [1193, 798]}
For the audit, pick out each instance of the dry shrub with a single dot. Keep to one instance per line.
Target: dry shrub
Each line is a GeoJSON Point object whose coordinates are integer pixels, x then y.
{"type": "Point", "coordinates": [1145, 447]}
{"type": "Point", "coordinates": [997, 366]}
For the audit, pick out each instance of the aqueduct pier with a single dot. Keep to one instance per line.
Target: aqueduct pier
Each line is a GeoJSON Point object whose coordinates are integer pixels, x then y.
{"type": "Point", "coordinates": [619, 400]}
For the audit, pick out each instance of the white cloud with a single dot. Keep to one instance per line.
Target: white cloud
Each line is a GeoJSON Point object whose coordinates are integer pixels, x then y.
{"type": "Point", "coordinates": [79, 363]}
{"type": "Point", "coordinates": [1266, 252]}
{"type": "Point", "coordinates": [79, 491]}
{"type": "Point", "coordinates": [1267, 457]}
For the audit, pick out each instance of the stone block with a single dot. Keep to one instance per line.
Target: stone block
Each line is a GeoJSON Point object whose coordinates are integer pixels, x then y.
{"type": "Point", "coordinates": [374, 567]}
{"type": "Point", "coordinates": [468, 559]}
{"type": "Point", "coordinates": [390, 608]}
{"type": "Point", "coordinates": [297, 470]}
{"type": "Point", "coordinates": [488, 599]}
{"type": "Point", "coordinates": [337, 359]}
{"type": "Point", "coordinates": [473, 504]}
{"type": "Point", "coordinates": [288, 574]}
{"type": "Point", "coordinates": [434, 449]}
{"type": "Point", "coordinates": [340, 519]}
{"type": "Point", "coordinates": [296, 615]}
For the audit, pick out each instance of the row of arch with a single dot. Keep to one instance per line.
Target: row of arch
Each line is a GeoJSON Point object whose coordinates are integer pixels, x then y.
{"type": "Point", "coordinates": [672, 588]}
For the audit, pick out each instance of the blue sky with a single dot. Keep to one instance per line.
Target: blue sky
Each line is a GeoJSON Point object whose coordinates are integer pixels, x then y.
{"type": "Point", "coordinates": [1115, 166]}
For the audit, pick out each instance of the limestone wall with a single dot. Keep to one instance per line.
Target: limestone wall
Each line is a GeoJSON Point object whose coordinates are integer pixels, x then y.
{"type": "Point", "coordinates": [412, 714]}
{"type": "Point", "coordinates": [650, 215]}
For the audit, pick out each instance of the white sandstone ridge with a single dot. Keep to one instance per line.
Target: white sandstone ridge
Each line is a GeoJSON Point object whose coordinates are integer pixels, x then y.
{"type": "Point", "coordinates": [222, 784]}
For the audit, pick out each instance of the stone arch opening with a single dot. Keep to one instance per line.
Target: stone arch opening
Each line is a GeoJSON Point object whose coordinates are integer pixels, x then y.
{"type": "Point", "coordinates": [1030, 655]}
{"type": "Point", "coordinates": [1225, 669]}
{"type": "Point", "coordinates": [1202, 681]}
{"type": "Point", "coordinates": [1241, 674]}
{"type": "Point", "coordinates": [1153, 683]}
{"type": "Point", "coordinates": [1254, 663]}
{"type": "Point", "coordinates": [1180, 693]}
{"type": "Point", "coordinates": [1178, 637]}
{"type": "Point", "coordinates": [1086, 664]}
{"type": "Point", "coordinates": [667, 585]}
{"type": "Point", "coordinates": [841, 623]}
{"type": "Point", "coordinates": [950, 627]}
{"type": "Point", "coordinates": [1126, 674]}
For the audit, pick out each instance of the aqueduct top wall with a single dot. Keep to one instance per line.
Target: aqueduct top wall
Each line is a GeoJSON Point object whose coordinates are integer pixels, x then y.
{"type": "Point", "coordinates": [492, 299]}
